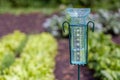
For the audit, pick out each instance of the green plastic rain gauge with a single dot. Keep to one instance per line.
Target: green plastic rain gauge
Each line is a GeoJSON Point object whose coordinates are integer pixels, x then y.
{"type": "Point", "coordinates": [77, 21]}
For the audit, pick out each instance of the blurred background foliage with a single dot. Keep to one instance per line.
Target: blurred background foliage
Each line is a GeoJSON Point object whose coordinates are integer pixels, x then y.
{"type": "Point", "coordinates": [94, 4]}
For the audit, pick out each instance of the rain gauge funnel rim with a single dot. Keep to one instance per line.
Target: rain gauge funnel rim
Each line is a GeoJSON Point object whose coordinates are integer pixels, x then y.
{"type": "Point", "coordinates": [77, 12]}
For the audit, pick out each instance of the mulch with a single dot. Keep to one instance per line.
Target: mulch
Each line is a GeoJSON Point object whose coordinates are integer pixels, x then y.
{"type": "Point", "coordinates": [32, 23]}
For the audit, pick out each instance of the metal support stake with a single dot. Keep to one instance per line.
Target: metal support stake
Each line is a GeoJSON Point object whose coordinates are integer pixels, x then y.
{"type": "Point", "coordinates": [78, 72]}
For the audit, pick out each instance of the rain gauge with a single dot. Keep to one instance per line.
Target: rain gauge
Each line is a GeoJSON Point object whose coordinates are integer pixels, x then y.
{"type": "Point", "coordinates": [77, 21]}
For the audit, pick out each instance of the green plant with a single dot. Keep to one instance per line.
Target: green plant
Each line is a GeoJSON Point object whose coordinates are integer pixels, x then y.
{"type": "Point", "coordinates": [7, 61]}
{"type": "Point", "coordinates": [9, 48]}
{"type": "Point", "coordinates": [104, 56]}
{"type": "Point", "coordinates": [36, 60]}
{"type": "Point", "coordinates": [107, 21]}
{"type": "Point", "coordinates": [110, 21]}
{"type": "Point", "coordinates": [27, 3]}
{"type": "Point", "coordinates": [54, 26]}
{"type": "Point", "coordinates": [97, 4]}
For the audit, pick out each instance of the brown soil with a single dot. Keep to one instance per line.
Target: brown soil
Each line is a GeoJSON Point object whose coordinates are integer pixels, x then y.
{"type": "Point", "coordinates": [28, 23]}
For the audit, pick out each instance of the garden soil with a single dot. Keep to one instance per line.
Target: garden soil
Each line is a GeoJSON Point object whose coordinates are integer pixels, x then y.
{"type": "Point", "coordinates": [33, 23]}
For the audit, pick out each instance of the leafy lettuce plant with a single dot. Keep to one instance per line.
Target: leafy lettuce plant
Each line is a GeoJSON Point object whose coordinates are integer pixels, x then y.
{"type": "Point", "coordinates": [36, 61]}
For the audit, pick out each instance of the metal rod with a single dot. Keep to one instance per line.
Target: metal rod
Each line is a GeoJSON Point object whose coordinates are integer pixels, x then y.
{"type": "Point", "coordinates": [78, 72]}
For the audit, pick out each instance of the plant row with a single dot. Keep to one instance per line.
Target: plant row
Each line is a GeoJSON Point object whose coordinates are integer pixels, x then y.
{"type": "Point", "coordinates": [104, 56]}
{"type": "Point", "coordinates": [35, 61]}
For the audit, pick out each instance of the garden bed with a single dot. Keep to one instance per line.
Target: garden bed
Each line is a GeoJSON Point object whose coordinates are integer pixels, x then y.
{"type": "Point", "coordinates": [32, 23]}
